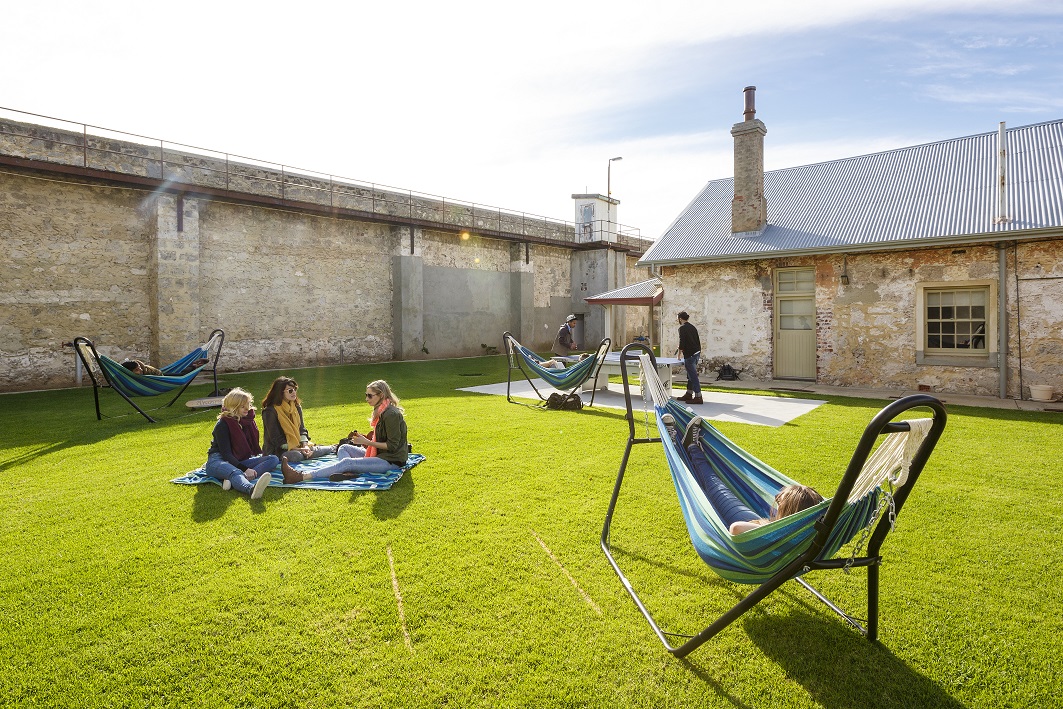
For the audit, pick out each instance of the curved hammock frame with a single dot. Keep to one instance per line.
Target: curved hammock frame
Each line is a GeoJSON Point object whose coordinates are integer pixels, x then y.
{"type": "Point", "coordinates": [109, 373]}
{"type": "Point", "coordinates": [867, 501]}
{"type": "Point", "coordinates": [570, 378]}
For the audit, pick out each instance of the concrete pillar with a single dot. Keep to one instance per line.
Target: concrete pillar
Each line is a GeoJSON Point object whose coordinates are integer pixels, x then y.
{"type": "Point", "coordinates": [176, 328]}
{"type": "Point", "coordinates": [595, 272]}
{"type": "Point", "coordinates": [522, 292]}
{"type": "Point", "coordinates": [407, 278]}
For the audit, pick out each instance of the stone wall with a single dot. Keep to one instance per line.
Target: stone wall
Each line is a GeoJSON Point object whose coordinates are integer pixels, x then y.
{"type": "Point", "coordinates": [76, 262]}
{"type": "Point", "coordinates": [866, 330]}
{"type": "Point", "coordinates": [150, 275]}
{"type": "Point", "coordinates": [730, 305]}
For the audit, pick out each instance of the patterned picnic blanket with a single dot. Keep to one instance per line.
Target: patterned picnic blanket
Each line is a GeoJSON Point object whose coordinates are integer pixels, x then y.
{"type": "Point", "coordinates": [365, 482]}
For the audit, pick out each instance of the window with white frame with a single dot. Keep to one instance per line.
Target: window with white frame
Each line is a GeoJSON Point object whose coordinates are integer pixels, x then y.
{"type": "Point", "coordinates": [956, 323]}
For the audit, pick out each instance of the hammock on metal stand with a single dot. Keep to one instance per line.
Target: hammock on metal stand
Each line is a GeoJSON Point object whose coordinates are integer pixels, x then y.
{"type": "Point", "coordinates": [727, 480]}
{"type": "Point", "coordinates": [107, 372]}
{"type": "Point", "coordinates": [570, 378]}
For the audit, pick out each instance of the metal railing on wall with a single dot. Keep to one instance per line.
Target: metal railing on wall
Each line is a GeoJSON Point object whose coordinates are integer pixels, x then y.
{"type": "Point", "coordinates": [65, 142]}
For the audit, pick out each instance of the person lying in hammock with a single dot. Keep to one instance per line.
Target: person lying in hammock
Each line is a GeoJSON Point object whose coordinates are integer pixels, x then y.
{"type": "Point", "coordinates": [790, 500]}
{"type": "Point", "coordinates": [739, 518]}
{"type": "Point", "coordinates": [559, 363]}
{"type": "Point", "coordinates": [137, 367]}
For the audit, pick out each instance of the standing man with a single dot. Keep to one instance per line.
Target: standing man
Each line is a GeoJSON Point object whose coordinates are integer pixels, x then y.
{"type": "Point", "coordinates": [563, 343]}
{"type": "Point", "coordinates": [690, 353]}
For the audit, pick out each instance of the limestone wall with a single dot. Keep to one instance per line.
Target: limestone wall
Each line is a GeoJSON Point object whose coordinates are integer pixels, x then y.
{"type": "Point", "coordinates": [730, 304]}
{"type": "Point", "coordinates": [866, 330]}
{"type": "Point", "coordinates": [76, 262]}
{"type": "Point", "coordinates": [150, 275]}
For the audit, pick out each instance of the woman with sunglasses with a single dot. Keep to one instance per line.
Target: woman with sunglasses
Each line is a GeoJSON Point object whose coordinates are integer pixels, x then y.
{"type": "Point", "coordinates": [383, 450]}
{"type": "Point", "coordinates": [285, 434]}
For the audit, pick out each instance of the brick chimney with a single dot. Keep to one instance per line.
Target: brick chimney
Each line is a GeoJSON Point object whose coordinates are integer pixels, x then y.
{"type": "Point", "coordinates": [748, 211]}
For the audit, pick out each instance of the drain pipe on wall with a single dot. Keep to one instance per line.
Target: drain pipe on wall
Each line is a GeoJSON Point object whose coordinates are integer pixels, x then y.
{"type": "Point", "coordinates": [1002, 319]}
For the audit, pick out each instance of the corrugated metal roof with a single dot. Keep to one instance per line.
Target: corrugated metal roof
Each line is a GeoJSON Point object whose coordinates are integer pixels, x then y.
{"type": "Point", "coordinates": [935, 191]}
{"type": "Point", "coordinates": [644, 293]}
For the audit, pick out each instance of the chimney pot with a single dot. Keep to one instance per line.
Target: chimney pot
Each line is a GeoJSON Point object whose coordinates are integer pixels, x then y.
{"type": "Point", "coordinates": [750, 109]}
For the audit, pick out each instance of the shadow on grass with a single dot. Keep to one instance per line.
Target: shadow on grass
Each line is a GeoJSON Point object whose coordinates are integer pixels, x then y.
{"type": "Point", "coordinates": [211, 502]}
{"type": "Point", "coordinates": [619, 552]}
{"type": "Point", "coordinates": [838, 667]}
{"type": "Point", "coordinates": [389, 504]}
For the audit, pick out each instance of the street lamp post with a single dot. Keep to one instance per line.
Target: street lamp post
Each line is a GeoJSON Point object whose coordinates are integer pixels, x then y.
{"type": "Point", "coordinates": [609, 177]}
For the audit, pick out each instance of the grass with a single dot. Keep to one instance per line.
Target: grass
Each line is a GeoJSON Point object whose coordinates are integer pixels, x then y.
{"type": "Point", "coordinates": [121, 589]}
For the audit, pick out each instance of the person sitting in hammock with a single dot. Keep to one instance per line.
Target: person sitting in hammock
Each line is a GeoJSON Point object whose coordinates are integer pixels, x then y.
{"type": "Point", "coordinates": [385, 448]}
{"type": "Point", "coordinates": [560, 363]}
{"type": "Point", "coordinates": [739, 518]}
{"type": "Point", "coordinates": [284, 431]}
{"type": "Point", "coordinates": [235, 456]}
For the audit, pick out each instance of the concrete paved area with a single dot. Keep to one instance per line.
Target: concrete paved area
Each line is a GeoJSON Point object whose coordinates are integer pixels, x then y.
{"type": "Point", "coordinates": [718, 406]}
{"type": "Point", "coordinates": [783, 385]}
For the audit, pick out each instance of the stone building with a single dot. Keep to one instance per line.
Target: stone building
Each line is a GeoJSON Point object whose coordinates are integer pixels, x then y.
{"type": "Point", "coordinates": [937, 267]}
{"type": "Point", "coordinates": [145, 247]}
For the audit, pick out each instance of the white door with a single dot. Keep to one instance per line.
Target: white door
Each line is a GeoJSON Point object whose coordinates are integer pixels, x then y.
{"type": "Point", "coordinates": [795, 323]}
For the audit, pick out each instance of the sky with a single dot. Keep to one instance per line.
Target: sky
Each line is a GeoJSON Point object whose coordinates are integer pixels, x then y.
{"type": "Point", "coordinates": [520, 105]}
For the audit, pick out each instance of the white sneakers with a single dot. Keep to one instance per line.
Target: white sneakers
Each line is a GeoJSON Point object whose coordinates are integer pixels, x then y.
{"type": "Point", "coordinates": [261, 483]}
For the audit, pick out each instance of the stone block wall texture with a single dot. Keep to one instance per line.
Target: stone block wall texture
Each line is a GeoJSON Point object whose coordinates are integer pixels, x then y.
{"type": "Point", "coordinates": [149, 276]}
{"type": "Point", "coordinates": [866, 331]}
{"type": "Point", "coordinates": [76, 262]}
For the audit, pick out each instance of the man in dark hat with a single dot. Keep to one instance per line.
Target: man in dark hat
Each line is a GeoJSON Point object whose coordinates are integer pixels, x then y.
{"type": "Point", "coordinates": [563, 343]}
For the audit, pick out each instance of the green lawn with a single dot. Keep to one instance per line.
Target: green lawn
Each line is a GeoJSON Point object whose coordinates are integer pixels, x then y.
{"type": "Point", "coordinates": [120, 589]}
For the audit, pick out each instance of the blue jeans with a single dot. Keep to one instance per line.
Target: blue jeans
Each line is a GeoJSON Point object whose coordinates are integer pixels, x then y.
{"type": "Point", "coordinates": [352, 460]}
{"type": "Point", "coordinates": [296, 456]}
{"type": "Point", "coordinates": [218, 467]}
{"type": "Point", "coordinates": [691, 364]}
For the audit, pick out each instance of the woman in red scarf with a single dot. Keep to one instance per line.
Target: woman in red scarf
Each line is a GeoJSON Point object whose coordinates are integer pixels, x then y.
{"type": "Point", "coordinates": [235, 456]}
{"type": "Point", "coordinates": [383, 450]}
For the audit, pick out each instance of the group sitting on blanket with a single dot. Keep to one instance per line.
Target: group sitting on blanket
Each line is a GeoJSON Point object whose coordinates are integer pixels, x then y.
{"type": "Point", "coordinates": [236, 458]}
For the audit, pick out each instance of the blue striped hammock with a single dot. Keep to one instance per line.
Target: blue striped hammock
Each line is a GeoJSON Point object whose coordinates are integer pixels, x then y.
{"type": "Point", "coordinates": [570, 378]}
{"type": "Point", "coordinates": [873, 489]}
{"type": "Point", "coordinates": [173, 375]}
{"type": "Point", "coordinates": [757, 555]}
{"type": "Point", "coordinates": [128, 384]}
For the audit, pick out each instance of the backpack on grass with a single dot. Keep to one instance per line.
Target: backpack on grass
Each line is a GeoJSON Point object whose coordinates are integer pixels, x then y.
{"type": "Point", "coordinates": [562, 402]}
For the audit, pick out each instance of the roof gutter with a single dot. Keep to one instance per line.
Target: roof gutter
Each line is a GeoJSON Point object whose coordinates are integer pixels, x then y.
{"type": "Point", "coordinates": [896, 245]}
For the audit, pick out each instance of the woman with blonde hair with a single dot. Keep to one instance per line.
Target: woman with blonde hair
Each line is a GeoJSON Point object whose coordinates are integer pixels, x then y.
{"type": "Point", "coordinates": [284, 432]}
{"type": "Point", "coordinates": [235, 456]}
{"type": "Point", "coordinates": [383, 450]}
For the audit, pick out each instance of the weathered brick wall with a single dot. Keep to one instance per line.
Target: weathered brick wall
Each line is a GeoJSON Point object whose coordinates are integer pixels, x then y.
{"type": "Point", "coordinates": [290, 289]}
{"type": "Point", "coordinates": [76, 262]}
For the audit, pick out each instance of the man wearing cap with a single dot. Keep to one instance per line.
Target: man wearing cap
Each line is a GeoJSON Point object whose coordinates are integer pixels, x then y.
{"type": "Point", "coordinates": [563, 343]}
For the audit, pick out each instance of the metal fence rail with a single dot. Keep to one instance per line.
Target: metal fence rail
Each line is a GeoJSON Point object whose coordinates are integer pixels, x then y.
{"type": "Point", "coordinates": [57, 140]}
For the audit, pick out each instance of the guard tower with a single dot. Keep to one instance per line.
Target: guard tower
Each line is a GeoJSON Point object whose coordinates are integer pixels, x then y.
{"type": "Point", "coordinates": [595, 218]}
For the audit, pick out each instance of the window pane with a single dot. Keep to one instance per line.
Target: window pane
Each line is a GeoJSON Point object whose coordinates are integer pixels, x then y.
{"type": "Point", "coordinates": [955, 319]}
